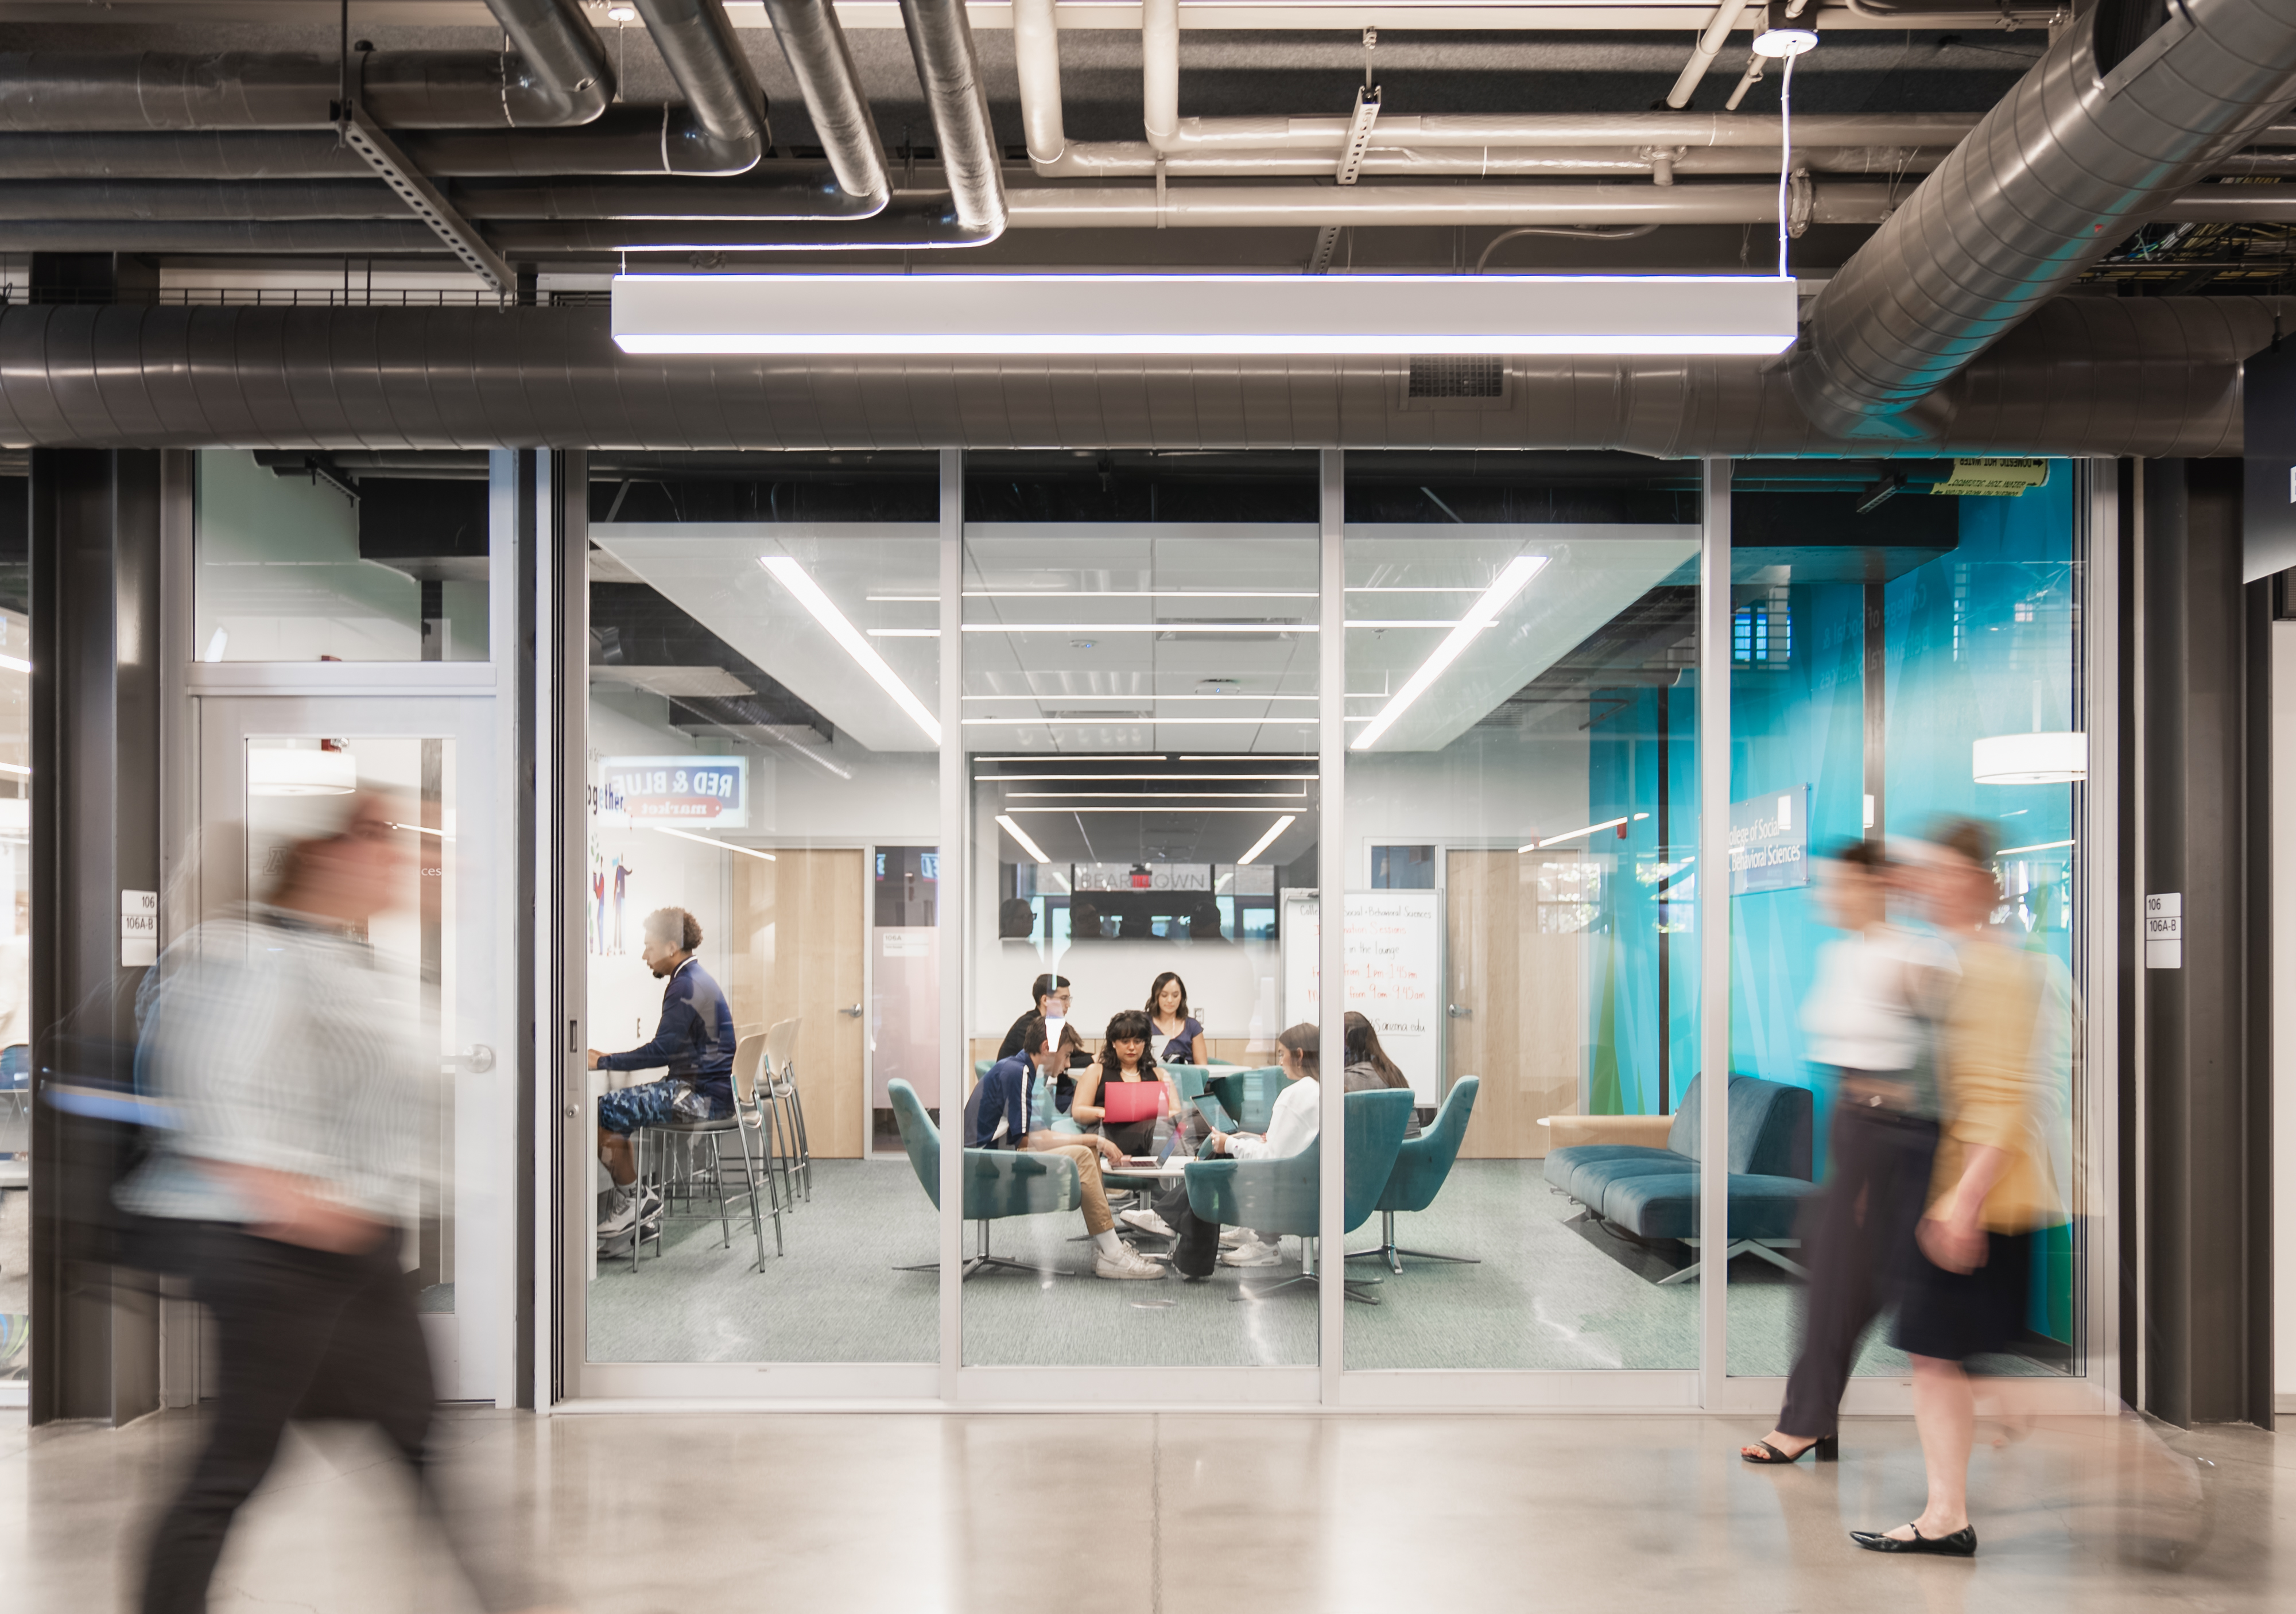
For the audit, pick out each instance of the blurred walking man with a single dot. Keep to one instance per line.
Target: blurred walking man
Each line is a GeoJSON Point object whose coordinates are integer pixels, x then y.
{"type": "Point", "coordinates": [298, 1095]}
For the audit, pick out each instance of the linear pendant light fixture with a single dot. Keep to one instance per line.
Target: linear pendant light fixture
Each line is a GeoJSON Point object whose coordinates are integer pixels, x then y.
{"type": "Point", "coordinates": [1510, 581]}
{"type": "Point", "coordinates": [1143, 315]}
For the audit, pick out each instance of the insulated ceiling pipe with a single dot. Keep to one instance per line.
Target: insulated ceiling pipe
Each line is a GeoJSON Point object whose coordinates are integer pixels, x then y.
{"type": "Point", "coordinates": [1159, 72]}
{"type": "Point", "coordinates": [1200, 207]}
{"type": "Point", "coordinates": [77, 90]}
{"type": "Point", "coordinates": [814, 45]}
{"type": "Point", "coordinates": [1137, 160]}
{"type": "Point", "coordinates": [2140, 376]}
{"type": "Point", "coordinates": [1702, 55]}
{"type": "Point", "coordinates": [2083, 150]}
{"type": "Point", "coordinates": [1578, 129]}
{"type": "Point", "coordinates": [568, 59]}
{"type": "Point", "coordinates": [698, 46]}
{"type": "Point", "coordinates": [1037, 62]}
{"type": "Point", "coordinates": [940, 39]}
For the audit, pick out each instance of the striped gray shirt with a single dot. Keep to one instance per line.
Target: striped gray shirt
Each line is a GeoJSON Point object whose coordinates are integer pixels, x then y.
{"type": "Point", "coordinates": [280, 1043]}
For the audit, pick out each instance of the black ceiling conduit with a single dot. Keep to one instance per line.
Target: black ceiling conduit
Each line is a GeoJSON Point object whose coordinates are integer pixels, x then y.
{"type": "Point", "coordinates": [2052, 178]}
{"type": "Point", "coordinates": [331, 237]}
{"type": "Point", "coordinates": [626, 139]}
{"type": "Point", "coordinates": [2148, 376]}
{"type": "Point", "coordinates": [77, 90]}
{"type": "Point", "coordinates": [698, 45]}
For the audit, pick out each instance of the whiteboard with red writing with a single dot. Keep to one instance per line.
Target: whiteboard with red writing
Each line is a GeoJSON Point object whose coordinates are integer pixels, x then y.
{"type": "Point", "coordinates": [1395, 974]}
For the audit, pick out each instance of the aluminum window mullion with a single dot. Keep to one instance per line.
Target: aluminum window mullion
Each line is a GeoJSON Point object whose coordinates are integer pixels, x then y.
{"type": "Point", "coordinates": [950, 920]}
{"type": "Point", "coordinates": [1331, 931]}
{"type": "Point", "coordinates": [1714, 931]}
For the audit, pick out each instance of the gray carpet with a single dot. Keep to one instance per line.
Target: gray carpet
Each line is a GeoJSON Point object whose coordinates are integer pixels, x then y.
{"type": "Point", "coordinates": [1547, 1294]}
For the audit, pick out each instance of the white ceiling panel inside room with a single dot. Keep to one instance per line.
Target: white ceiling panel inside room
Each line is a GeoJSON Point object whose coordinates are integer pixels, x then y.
{"type": "Point", "coordinates": [1410, 588]}
{"type": "Point", "coordinates": [1112, 637]}
{"type": "Point", "coordinates": [883, 578]}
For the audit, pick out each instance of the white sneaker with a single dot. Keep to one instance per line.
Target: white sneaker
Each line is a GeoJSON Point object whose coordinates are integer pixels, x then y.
{"type": "Point", "coordinates": [1251, 1252]}
{"type": "Point", "coordinates": [1147, 1221]}
{"type": "Point", "coordinates": [621, 1213]}
{"type": "Point", "coordinates": [1128, 1263]}
{"type": "Point", "coordinates": [1230, 1237]}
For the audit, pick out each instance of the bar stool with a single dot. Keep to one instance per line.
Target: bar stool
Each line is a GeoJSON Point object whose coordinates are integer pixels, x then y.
{"type": "Point", "coordinates": [752, 1075]}
{"type": "Point", "coordinates": [674, 1149]}
{"type": "Point", "coordinates": [781, 1060]}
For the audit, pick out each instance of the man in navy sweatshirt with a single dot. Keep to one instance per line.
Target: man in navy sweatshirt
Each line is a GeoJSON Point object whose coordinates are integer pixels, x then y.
{"type": "Point", "coordinates": [694, 1043]}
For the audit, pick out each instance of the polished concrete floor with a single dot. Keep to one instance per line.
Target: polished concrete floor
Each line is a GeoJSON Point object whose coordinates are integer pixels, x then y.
{"type": "Point", "coordinates": [1141, 1514]}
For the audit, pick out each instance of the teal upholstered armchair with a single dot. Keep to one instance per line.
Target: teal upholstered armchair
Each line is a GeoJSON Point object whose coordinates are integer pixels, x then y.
{"type": "Point", "coordinates": [1247, 1096]}
{"type": "Point", "coordinates": [1284, 1195]}
{"type": "Point", "coordinates": [1422, 1165]}
{"type": "Point", "coordinates": [999, 1183]}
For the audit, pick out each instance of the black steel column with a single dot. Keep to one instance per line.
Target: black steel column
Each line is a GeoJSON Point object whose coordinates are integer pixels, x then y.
{"type": "Point", "coordinates": [2206, 1098]}
{"type": "Point", "coordinates": [95, 833]}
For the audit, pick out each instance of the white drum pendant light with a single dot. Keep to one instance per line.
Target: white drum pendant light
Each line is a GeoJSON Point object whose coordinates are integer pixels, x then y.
{"type": "Point", "coordinates": [2059, 758]}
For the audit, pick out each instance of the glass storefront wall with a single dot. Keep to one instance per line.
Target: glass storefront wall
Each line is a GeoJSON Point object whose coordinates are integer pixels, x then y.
{"type": "Point", "coordinates": [1145, 805]}
{"type": "Point", "coordinates": [1521, 829]}
{"type": "Point", "coordinates": [1907, 671]}
{"type": "Point", "coordinates": [1140, 698]}
{"type": "Point", "coordinates": [762, 760]}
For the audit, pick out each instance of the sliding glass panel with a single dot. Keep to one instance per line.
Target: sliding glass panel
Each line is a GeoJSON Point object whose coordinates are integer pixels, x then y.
{"type": "Point", "coordinates": [1905, 722]}
{"type": "Point", "coordinates": [1140, 700]}
{"type": "Point", "coordinates": [1521, 829]}
{"type": "Point", "coordinates": [763, 759]}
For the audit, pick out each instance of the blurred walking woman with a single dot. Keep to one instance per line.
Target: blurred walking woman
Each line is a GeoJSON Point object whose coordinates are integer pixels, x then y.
{"type": "Point", "coordinates": [1991, 1188]}
{"type": "Point", "coordinates": [1872, 1017]}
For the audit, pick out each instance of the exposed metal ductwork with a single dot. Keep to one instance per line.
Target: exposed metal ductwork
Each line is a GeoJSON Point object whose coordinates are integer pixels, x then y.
{"type": "Point", "coordinates": [2077, 154]}
{"type": "Point", "coordinates": [2152, 376]}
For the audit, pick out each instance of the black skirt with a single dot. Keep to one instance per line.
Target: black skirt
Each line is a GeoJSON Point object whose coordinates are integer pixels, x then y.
{"type": "Point", "coordinates": [1953, 1315]}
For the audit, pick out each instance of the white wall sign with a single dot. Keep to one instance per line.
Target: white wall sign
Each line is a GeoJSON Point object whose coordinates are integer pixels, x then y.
{"type": "Point", "coordinates": [139, 929]}
{"type": "Point", "coordinates": [2164, 931]}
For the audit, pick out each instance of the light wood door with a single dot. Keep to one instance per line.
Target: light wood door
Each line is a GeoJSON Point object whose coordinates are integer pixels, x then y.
{"type": "Point", "coordinates": [798, 937]}
{"type": "Point", "coordinates": [1517, 1017]}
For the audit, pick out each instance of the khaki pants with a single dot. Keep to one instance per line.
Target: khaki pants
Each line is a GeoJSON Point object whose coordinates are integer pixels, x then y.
{"type": "Point", "coordinates": [1086, 1160]}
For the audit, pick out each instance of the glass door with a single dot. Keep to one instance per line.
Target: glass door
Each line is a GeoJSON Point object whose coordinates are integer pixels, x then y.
{"type": "Point", "coordinates": [274, 770]}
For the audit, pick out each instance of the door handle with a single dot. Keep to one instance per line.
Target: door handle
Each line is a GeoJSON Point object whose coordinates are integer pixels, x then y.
{"type": "Point", "coordinates": [1457, 1013]}
{"type": "Point", "coordinates": [854, 1012]}
{"type": "Point", "coordinates": [477, 1058]}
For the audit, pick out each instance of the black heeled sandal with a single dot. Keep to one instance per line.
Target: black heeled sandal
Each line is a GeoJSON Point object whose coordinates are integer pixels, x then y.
{"type": "Point", "coordinates": [1828, 1448]}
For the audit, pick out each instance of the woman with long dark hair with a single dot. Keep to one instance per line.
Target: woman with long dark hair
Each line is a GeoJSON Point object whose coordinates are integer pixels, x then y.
{"type": "Point", "coordinates": [1124, 1058]}
{"type": "Point", "coordinates": [1180, 1032]}
{"type": "Point", "coordinates": [1368, 1068]}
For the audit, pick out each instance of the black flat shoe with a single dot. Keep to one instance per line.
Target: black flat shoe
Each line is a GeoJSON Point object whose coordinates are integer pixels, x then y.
{"type": "Point", "coordinates": [1828, 1448]}
{"type": "Point", "coordinates": [1961, 1544]}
